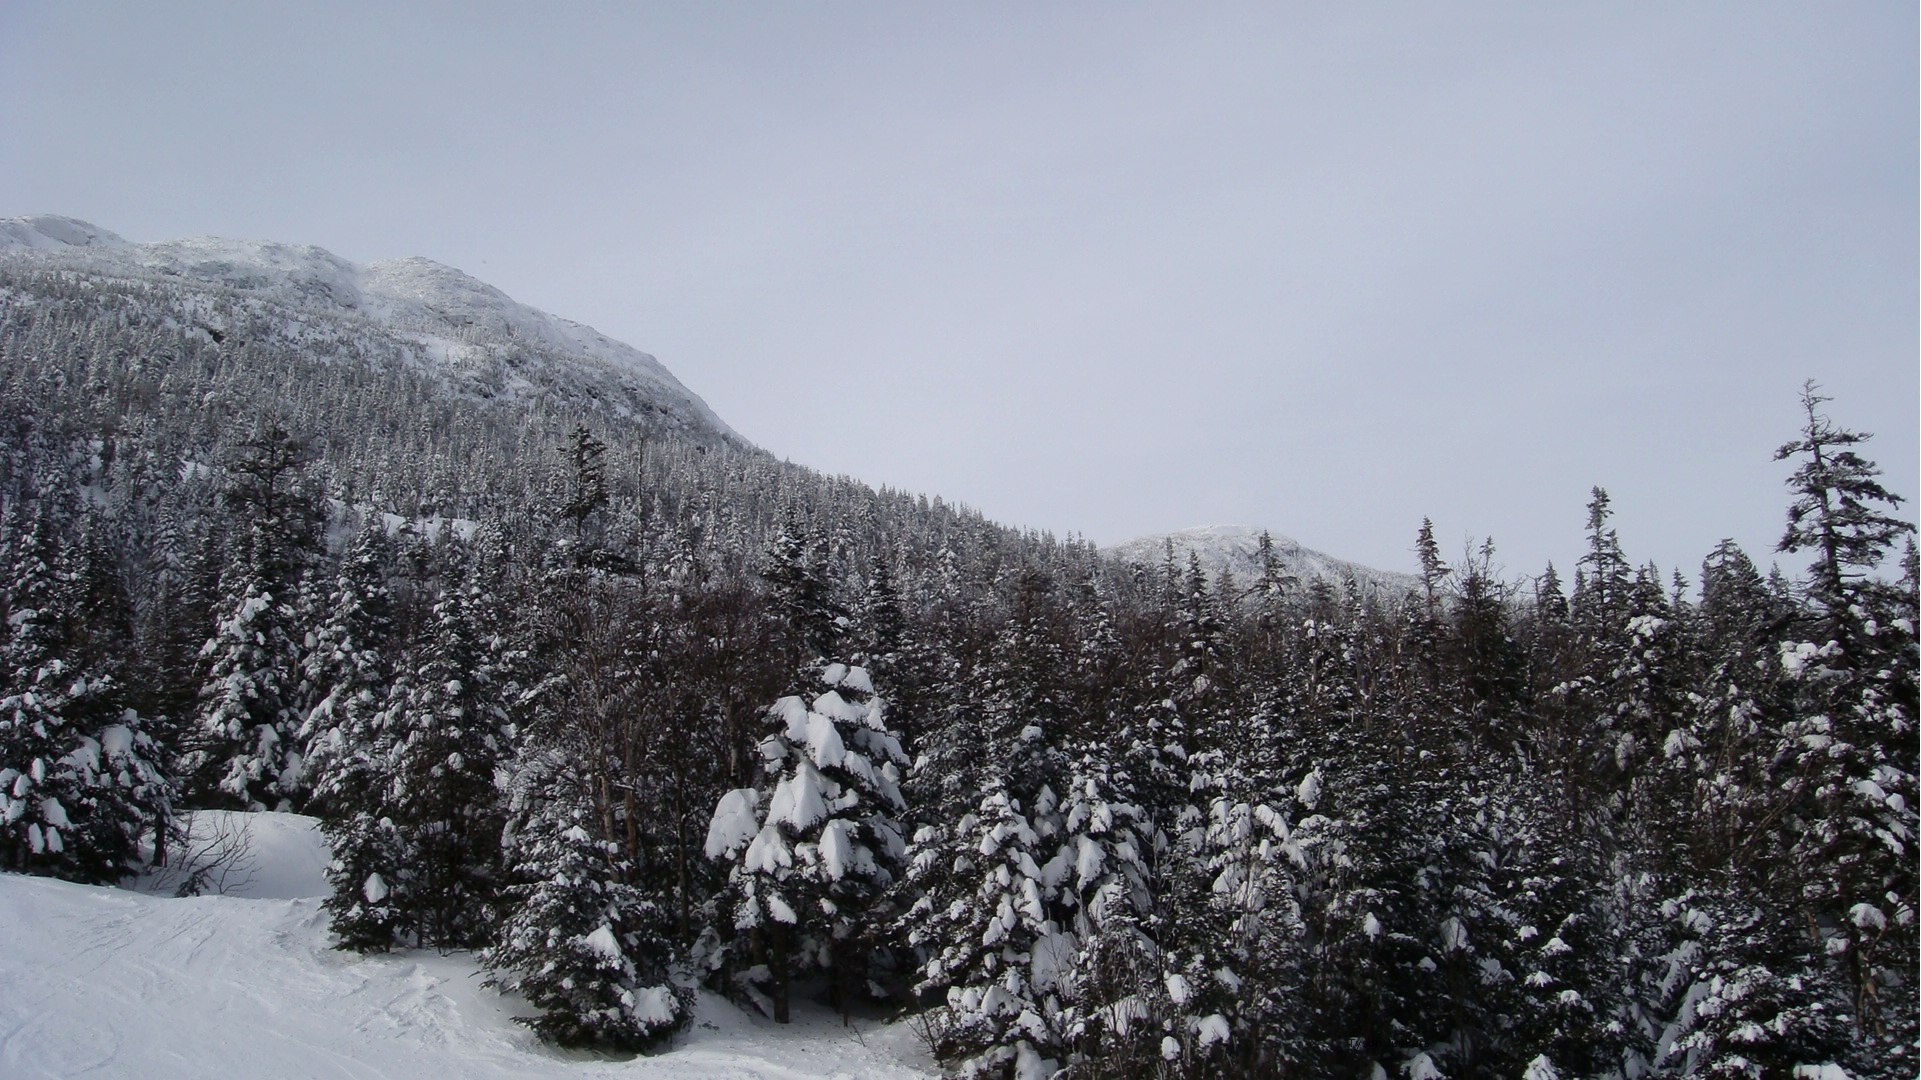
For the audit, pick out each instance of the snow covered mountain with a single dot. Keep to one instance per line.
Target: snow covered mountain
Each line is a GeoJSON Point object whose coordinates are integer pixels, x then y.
{"type": "Point", "coordinates": [1236, 549]}
{"type": "Point", "coordinates": [469, 331]}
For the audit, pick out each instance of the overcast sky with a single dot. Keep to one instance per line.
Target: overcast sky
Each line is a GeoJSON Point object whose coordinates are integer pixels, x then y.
{"type": "Point", "coordinates": [1110, 269]}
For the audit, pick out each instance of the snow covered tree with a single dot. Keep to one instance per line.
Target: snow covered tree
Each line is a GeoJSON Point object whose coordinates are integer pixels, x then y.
{"type": "Point", "coordinates": [993, 954]}
{"type": "Point", "coordinates": [1834, 514]}
{"type": "Point", "coordinates": [803, 593]}
{"type": "Point", "coordinates": [1240, 939]}
{"type": "Point", "coordinates": [1746, 995]}
{"type": "Point", "coordinates": [579, 940]}
{"type": "Point", "coordinates": [245, 734]}
{"type": "Point", "coordinates": [80, 778]}
{"type": "Point", "coordinates": [449, 732]}
{"type": "Point", "coordinates": [814, 848]}
{"type": "Point", "coordinates": [350, 740]}
{"type": "Point", "coordinates": [348, 667]}
{"type": "Point", "coordinates": [1850, 747]}
{"type": "Point", "coordinates": [1112, 1002]}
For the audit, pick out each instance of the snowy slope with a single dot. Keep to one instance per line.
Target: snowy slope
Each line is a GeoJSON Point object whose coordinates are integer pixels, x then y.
{"type": "Point", "coordinates": [119, 983]}
{"type": "Point", "coordinates": [446, 314]}
{"type": "Point", "coordinates": [1234, 548]}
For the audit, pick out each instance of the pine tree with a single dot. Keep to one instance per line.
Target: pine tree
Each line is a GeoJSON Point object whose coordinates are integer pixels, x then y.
{"type": "Point", "coordinates": [449, 731]}
{"type": "Point", "coordinates": [347, 668]}
{"type": "Point", "coordinates": [579, 941]}
{"type": "Point", "coordinates": [1851, 746]}
{"type": "Point", "coordinates": [803, 593]}
{"type": "Point", "coordinates": [245, 737]}
{"type": "Point", "coordinates": [814, 848]}
{"type": "Point", "coordinates": [350, 741]}
{"type": "Point", "coordinates": [1747, 995]}
{"type": "Point", "coordinates": [245, 734]}
{"type": "Point", "coordinates": [80, 778]}
{"type": "Point", "coordinates": [993, 954]}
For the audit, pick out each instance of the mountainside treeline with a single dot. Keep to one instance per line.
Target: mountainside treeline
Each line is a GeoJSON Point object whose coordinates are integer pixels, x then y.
{"type": "Point", "coordinates": [629, 709]}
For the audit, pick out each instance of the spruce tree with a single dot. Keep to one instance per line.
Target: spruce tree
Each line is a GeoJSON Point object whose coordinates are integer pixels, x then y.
{"type": "Point", "coordinates": [1850, 748]}
{"type": "Point", "coordinates": [815, 846]}
{"type": "Point", "coordinates": [449, 731]}
{"type": "Point", "coordinates": [81, 780]}
{"type": "Point", "coordinates": [579, 940]}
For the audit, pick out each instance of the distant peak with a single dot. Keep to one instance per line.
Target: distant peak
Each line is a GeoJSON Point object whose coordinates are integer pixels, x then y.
{"type": "Point", "coordinates": [1235, 548]}
{"type": "Point", "coordinates": [44, 231]}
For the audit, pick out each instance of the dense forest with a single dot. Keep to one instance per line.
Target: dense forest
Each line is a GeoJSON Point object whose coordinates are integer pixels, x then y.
{"type": "Point", "coordinates": [631, 710]}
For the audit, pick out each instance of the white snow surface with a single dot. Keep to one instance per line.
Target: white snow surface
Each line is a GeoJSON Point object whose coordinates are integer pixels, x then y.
{"type": "Point", "coordinates": [442, 310]}
{"type": "Point", "coordinates": [105, 982]}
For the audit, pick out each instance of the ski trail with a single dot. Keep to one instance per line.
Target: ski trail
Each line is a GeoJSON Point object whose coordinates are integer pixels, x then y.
{"type": "Point", "coordinates": [104, 983]}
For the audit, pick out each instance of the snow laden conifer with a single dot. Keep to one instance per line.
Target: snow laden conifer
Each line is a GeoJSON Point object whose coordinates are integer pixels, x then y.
{"type": "Point", "coordinates": [1117, 1000]}
{"type": "Point", "coordinates": [450, 733]}
{"type": "Point", "coordinates": [985, 927]}
{"type": "Point", "coordinates": [814, 848]}
{"type": "Point", "coordinates": [80, 779]}
{"type": "Point", "coordinates": [1743, 994]}
{"type": "Point", "coordinates": [245, 739]}
{"type": "Point", "coordinates": [1851, 830]}
{"type": "Point", "coordinates": [349, 737]}
{"type": "Point", "coordinates": [580, 941]}
{"type": "Point", "coordinates": [246, 751]}
{"type": "Point", "coordinates": [984, 922]}
{"type": "Point", "coordinates": [347, 669]}
{"type": "Point", "coordinates": [1236, 921]}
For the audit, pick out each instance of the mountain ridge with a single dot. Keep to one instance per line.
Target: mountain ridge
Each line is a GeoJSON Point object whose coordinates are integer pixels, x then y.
{"type": "Point", "coordinates": [447, 313]}
{"type": "Point", "coordinates": [1235, 549]}
{"type": "Point", "coordinates": [477, 336]}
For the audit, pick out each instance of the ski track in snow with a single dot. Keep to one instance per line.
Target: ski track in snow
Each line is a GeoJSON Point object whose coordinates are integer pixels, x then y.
{"type": "Point", "coordinates": [103, 982]}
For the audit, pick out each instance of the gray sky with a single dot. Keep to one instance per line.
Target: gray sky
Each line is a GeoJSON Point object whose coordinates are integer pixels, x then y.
{"type": "Point", "coordinates": [1101, 268]}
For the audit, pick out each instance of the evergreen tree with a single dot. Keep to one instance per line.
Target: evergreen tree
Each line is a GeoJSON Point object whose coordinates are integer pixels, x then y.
{"type": "Point", "coordinates": [347, 668]}
{"type": "Point", "coordinates": [80, 778]}
{"type": "Point", "coordinates": [815, 847]}
{"type": "Point", "coordinates": [1851, 745]}
{"type": "Point", "coordinates": [245, 736]}
{"type": "Point", "coordinates": [993, 955]}
{"type": "Point", "coordinates": [579, 941]}
{"type": "Point", "coordinates": [449, 728]}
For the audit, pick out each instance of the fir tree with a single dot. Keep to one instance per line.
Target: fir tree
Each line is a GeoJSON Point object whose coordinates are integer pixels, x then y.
{"type": "Point", "coordinates": [449, 731]}
{"type": "Point", "coordinates": [814, 848]}
{"type": "Point", "coordinates": [579, 941]}
{"type": "Point", "coordinates": [80, 778]}
{"type": "Point", "coordinates": [1853, 825]}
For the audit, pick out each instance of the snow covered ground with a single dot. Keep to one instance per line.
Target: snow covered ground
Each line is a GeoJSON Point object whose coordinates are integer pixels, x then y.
{"type": "Point", "coordinates": [104, 982]}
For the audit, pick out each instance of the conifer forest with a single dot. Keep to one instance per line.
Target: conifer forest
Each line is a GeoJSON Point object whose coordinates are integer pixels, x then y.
{"type": "Point", "coordinates": [630, 708]}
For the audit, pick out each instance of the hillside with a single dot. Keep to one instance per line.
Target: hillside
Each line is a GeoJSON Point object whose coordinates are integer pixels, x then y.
{"type": "Point", "coordinates": [446, 322]}
{"type": "Point", "coordinates": [580, 684]}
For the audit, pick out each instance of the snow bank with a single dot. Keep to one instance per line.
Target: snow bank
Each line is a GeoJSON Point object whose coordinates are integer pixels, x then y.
{"type": "Point", "coordinates": [251, 856]}
{"type": "Point", "coordinates": [128, 983]}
